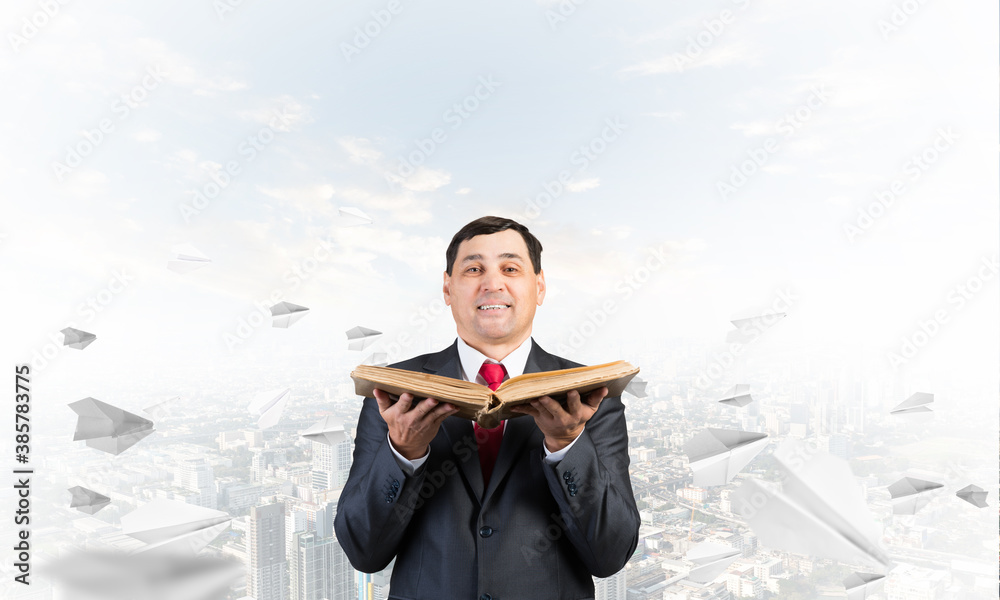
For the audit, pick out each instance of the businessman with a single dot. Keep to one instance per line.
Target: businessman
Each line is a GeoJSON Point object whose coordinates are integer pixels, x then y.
{"type": "Point", "coordinates": [530, 509]}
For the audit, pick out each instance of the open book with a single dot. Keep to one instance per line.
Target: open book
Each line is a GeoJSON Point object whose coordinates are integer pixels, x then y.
{"type": "Point", "coordinates": [481, 404]}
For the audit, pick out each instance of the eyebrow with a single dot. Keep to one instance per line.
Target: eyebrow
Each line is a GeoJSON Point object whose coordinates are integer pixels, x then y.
{"type": "Point", "coordinates": [502, 255]}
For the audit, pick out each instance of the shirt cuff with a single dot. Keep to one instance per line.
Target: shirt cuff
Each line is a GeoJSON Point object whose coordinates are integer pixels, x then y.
{"type": "Point", "coordinates": [410, 466]}
{"type": "Point", "coordinates": [552, 458]}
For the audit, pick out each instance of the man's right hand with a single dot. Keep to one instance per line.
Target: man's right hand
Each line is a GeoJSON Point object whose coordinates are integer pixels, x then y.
{"type": "Point", "coordinates": [412, 427]}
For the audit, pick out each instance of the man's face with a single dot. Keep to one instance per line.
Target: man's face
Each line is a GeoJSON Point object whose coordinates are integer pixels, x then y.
{"type": "Point", "coordinates": [493, 271]}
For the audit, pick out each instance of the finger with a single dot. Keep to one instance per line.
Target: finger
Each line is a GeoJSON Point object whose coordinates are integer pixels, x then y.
{"type": "Point", "coordinates": [442, 412]}
{"type": "Point", "coordinates": [382, 398]}
{"type": "Point", "coordinates": [595, 397]}
{"type": "Point", "coordinates": [424, 408]}
{"type": "Point", "coordinates": [573, 402]}
{"type": "Point", "coordinates": [405, 402]}
{"type": "Point", "coordinates": [550, 406]}
{"type": "Point", "coordinates": [525, 409]}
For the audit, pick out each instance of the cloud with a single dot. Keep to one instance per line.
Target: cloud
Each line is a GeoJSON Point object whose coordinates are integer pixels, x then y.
{"type": "Point", "coordinates": [360, 151]}
{"type": "Point", "coordinates": [426, 180]}
{"type": "Point", "coordinates": [583, 185]}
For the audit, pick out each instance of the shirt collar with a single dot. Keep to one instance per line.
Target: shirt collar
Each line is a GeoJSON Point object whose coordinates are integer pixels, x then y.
{"type": "Point", "coordinates": [472, 360]}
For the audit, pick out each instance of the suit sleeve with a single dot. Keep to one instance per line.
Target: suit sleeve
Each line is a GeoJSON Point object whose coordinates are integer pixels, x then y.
{"type": "Point", "coordinates": [591, 485]}
{"type": "Point", "coordinates": [376, 503]}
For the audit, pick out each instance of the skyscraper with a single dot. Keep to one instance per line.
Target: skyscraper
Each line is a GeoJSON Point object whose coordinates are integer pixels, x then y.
{"type": "Point", "coordinates": [267, 574]}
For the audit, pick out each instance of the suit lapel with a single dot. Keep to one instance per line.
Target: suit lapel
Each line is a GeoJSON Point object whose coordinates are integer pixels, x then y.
{"type": "Point", "coordinates": [457, 430]}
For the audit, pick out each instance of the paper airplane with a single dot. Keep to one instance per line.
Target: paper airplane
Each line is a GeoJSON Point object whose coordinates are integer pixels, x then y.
{"type": "Point", "coordinates": [113, 576]}
{"type": "Point", "coordinates": [917, 403]}
{"type": "Point", "coordinates": [377, 359]}
{"type": "Point", "coordinates": [174, 527]}
{"type": "Point", "coordinates": [909, 495]}
{"type": "Point", "coordinates": [361, 337]}
{"type": "Point", "coordinates": [160, 409]}
{"type": "Point", "coordinates": [861, 585]}
{"type": "Point", "coordinates": [75, 338]}
{"type": "Point", "coordinates": [710, 560]}
{"type": "Point", "coordinates": [738, 395]}
{"type": "Point", "coordinates": [107, 427]}
{"type": "Point", "coordinates": [750, 328]}
{"type": "Point", "coordinates": [717, 455]}
{"type": "Point", "coordinates": [286, 313]}
{"type": "Point", "coordinates": [87, 501]}
{"type": "Point", "coordinates": [637, 387]}
{"type": "Point", "coordinates": [819, 509]}
{"type": "Point", "coordinates": [267, 406]}
{"type": "Point", "coordinates": [351, 217]}
{"type": "Point", "coordinates": [329, 430]}
{"type": "Point", "coordinates": [973, 494]}
{"type": "Point", "coordinates": [187, 258]}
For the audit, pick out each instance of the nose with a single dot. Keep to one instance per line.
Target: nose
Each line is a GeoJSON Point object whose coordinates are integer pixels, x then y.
{"type": "Point", "coordinates": [493, 281]}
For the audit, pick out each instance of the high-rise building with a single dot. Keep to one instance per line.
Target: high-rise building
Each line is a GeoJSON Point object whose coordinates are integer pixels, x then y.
{"type": "Point", "coordinates": [267, 573]}
{"type": "Point", "coordinates": [196, 476]}
{"type": "Point", "coordinates": [610, 588]}
{"type": "Point", "coordinates": [331, 463]}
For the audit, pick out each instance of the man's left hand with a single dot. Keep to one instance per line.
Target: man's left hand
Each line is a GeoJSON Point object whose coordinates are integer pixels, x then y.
{"type": "Point", "coordinates": [559, 425]}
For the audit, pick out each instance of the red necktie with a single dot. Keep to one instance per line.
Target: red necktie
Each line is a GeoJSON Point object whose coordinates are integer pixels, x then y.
{"type": "Point", "coordinates": [489, 440]}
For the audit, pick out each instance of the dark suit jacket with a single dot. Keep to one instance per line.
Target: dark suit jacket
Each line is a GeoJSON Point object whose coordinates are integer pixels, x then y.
{"type": "Point", "coordinates": [538, 530]}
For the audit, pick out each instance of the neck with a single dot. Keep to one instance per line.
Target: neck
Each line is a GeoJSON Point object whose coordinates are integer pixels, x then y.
{"type": "Point", "coordinates": [496, 350]}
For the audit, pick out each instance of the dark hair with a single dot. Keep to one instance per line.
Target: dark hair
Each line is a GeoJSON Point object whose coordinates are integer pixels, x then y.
{"type": "Point", "coordinates": [488, 225]}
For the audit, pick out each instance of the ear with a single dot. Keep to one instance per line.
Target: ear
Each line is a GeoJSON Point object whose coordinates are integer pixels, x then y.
{"type": "Point", "coordinates": [446, 289]}
{"type": "Point", "coordinates": [540, 281]}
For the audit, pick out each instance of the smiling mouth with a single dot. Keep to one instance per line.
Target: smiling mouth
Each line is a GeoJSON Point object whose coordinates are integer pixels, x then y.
{"type": "Point", "coordinates": [487, 307]}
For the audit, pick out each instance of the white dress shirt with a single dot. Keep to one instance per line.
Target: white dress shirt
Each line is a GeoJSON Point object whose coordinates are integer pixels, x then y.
{"type": "Point", "coordinates": [472, 360]}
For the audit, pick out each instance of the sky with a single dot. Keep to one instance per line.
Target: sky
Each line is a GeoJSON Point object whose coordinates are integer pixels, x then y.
{"type": "Point", "coordinates": [841, 155]}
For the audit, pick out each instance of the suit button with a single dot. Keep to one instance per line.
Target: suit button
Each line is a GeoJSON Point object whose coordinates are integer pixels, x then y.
{"type": "Point", "coordinates": [572, 492]}
{"type": "Point", "coordinates": [486, 597]}
{"type": "Point", "coordinates": [388, 498]}
{"type": "Point", "coordinates": [485, 531]}
{"type": "Point", "coordinates": [567, 476]}
{"type": "Point", "coordinates": [572, 488]}
{"type": "Point", "coordinates": [395, 484]}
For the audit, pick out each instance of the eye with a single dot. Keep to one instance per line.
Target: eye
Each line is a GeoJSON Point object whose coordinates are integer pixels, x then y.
{"type": "Point", "coordinates": [470, 269]}
{"type": "Point", "coordinates": [511, 269]}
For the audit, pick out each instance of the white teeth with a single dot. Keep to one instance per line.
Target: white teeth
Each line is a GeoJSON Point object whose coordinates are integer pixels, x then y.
{"type": "Point", "coordinates": [489, 306]}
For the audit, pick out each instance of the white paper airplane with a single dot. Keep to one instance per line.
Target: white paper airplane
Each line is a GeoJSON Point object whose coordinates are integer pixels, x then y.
{"type": "Point", "coordinates": [819, 509]}
{"type": "Point", "coordinates": [268, 406]}
{"type": "Point", "coordinates": [361, 337]}
{"type": "Point", "coordinates": [329, 430]}
{"type": "Point", "coordinates": [161, 409]}
{"type": "Point", "coordinates": [352, 217]}
{"type": "Point", "coordinates": [637, 387]}
{"type": "Point", "coordinates": [115, 576]}
{"type": "Point", "coordinates": [917, 403]}
{"type": "Point", "coordinates": [973, 494]}
{"type": "Point", "coordinates": [377, 359]}
{"type": "Point", "coordinates": [76, 338]}
{"type": "Point", "coordinates": [738, 395]}
{"type": "Point", "coordinates": [174, 527]}
{"type": "Point", "coordinates": [860, 586]}
{"type": "Point", "coordinates": [750, 328]}
{"type": "Point", "coordinates": [87, 501]}
{"type": "Point", "coordinates": [108, 428]}
{"type": "Point", "coordinates": [286, 313]}
{"type": "Point", "coordinates": [710, 560]}
{"type": "Point", "coordinates": [187, 258]}
{"type": "Point", "coordinates": [717, 455]}
{"type": "Point", "coordinates": [909, 495]}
